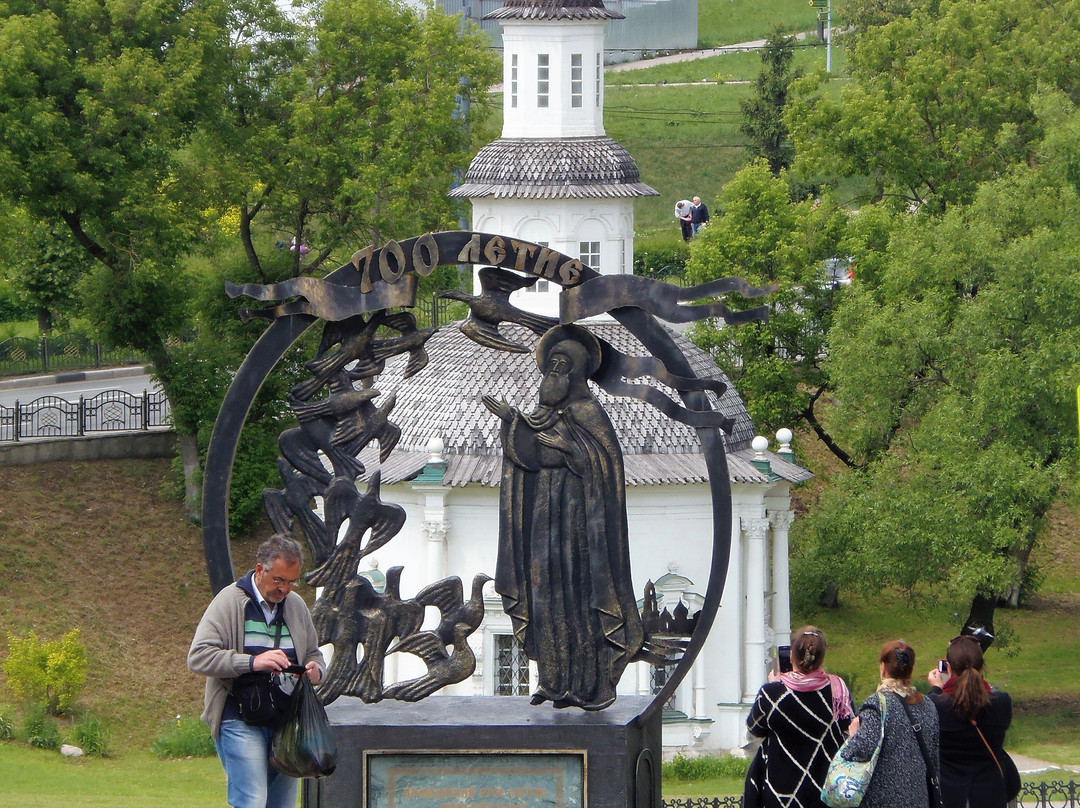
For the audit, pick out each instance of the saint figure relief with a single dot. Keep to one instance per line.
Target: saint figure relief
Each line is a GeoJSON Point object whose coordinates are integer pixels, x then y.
{"type": "Point", "coordinates": [563, 567]}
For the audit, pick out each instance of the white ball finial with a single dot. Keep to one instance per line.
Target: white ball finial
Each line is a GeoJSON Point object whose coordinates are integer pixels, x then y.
{"type": "Point", "coordinates": [759, 444]}
{"type": "Point", "coordinates": [784, 435]}
{"type": "Point", "coordinates": [435, 447]}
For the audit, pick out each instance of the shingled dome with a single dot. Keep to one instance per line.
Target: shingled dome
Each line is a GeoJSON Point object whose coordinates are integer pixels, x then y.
{"type": "Point", "coordinates": [553, 10]}
{"type": "Point", "coordinates": [535, 168]}
{"type": "Point", "coordinates": [443, 401]}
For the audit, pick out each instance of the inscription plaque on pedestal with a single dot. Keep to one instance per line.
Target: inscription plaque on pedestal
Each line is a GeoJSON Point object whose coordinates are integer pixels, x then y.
{"type": "Point", "coordinates": [507, 779]}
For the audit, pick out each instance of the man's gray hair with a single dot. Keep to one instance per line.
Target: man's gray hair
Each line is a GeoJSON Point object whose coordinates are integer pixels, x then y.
{"type": "Point", "coordinates": [278, 546]}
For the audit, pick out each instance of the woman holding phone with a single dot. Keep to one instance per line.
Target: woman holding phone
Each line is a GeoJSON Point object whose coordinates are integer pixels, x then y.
{"type": "Point", "coordinates": [802, 715]}
{"type": "Point", "coordinates": [975, 770]}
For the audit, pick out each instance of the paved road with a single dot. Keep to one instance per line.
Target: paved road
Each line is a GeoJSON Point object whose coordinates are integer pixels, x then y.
{"type": "Point", "coordinates": [72, 385]}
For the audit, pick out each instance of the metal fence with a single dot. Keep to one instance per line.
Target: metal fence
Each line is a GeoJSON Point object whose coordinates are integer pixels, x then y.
{"type": "Point", "coordinates": [110, 411]}
{"type": "Point", "coordinates": [1052, 794]}
{"type": "Point", "coordinates": [21, 355]}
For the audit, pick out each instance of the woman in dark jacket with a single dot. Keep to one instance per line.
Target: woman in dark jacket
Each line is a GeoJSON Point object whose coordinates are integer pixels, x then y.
{"type": "Point", "coordinates": [802, 715]}
{"type": "Point", "coordinates": [966, 706]}
{"type": "Point", "coordinates": [900, 777]}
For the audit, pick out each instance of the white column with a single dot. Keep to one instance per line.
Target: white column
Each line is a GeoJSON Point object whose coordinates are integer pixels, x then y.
{"type": "Point", "coordinates": [435, 531]}
{"type": "Point", "coordinates": [755, 644]}
{"type": "Point", "coordinates": [781, 574]}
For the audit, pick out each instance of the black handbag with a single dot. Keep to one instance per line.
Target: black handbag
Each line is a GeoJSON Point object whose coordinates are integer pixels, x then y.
{"type": "Point", "coordinates": [262, 703]}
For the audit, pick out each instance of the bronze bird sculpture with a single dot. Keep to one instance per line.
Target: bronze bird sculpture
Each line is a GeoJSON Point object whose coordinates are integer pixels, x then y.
{"type": "Point", "coordinates": [411, 341]}
{"type": "Point", "coordinates": [295, 503]}
{"type": "Point", "coordinates": [459, 618]}
{"type": "Point", "coordinates": [352, 337]}
{"type": "Point", "coordinates": [492, 307]}
{"type": "Point", "coordinates": [342, 502]}
{"type": "Point", "coordinates": [333, 426]}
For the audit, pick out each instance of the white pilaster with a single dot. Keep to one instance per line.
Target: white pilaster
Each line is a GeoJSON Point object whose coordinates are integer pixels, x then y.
{"type": "Point", "coordinates": [781, 574]}
{"type": "Point", "coordinates": [756, 644]}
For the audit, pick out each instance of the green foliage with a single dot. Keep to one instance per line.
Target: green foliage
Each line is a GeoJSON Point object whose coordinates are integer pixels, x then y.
{"type": "Point", "coordinates": [661, 256]}
{"type": "Point", "coordinates": [184, 737]}
{"type": "Point", "coordinates": [759, 234]}
{"type": "Point", "coordinates": [7, 728]}
{"type": "Point", "coordinates": [941, 99]}
{"type": "Point", "coordinates": [47, 673]}
{"type": "Point", "coordinates": [704, 767]}
{"type": "Point", "coordinates": [91, 736]}
{"type": "Point", "coordinates": [40, 728]}
{"type": "Point", "coordinates": [764, 111]}
{"type": "Point", "coordinates": [722, 22]}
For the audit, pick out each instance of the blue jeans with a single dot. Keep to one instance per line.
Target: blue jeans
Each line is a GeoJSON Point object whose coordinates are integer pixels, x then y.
{"type": "Point", "coordinates": [252, 782]}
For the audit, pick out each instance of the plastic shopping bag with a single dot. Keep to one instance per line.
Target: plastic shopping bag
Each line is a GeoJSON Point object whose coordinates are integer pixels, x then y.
{"type": "Point", "coordinates": [303, 745]}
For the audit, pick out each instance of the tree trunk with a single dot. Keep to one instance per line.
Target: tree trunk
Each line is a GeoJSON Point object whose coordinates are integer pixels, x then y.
{"type": "Point", "coordinates": [189, 457]}
{"type": "Point", "coordinates": [44, 320]}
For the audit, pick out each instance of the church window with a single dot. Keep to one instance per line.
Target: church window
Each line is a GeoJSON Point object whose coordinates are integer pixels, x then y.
{"type": "Point", "coordinates": [660, 676]}
{"type": "Point", "coordinates": [511, 667]}
{"type": "Point", "coordinates": [589, 254]}
{"type": "Point", "coordinates": [576, 79]}
{"type": "Point", "coordinates": [513, 79]}
{"type": "Point", "coordinates": [543, 76]}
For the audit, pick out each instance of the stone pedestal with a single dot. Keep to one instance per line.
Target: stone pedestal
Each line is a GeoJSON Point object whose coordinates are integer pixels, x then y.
{"type": "Point", "coordinates": [489, 752]}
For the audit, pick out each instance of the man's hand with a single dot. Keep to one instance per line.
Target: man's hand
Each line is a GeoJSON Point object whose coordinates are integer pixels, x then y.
{"type": "Point", "coordinates": [273, 660]}
{"type": "Point", "coordinates": [314, 672]}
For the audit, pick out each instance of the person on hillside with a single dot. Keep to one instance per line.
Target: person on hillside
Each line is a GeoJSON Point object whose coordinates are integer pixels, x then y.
{"type": "Point", "coordinates": [257, 627]}
{"type": "Point", "coordinates": [900, 777]}
{"type": "Point", "coordinates": [802, 716]}
{"type": "Point", "coordinates": [975, 770]}
{"type": "Point", "coordinates": [682, 213]}
{"type": "Point", "coordinates": [699, 215]}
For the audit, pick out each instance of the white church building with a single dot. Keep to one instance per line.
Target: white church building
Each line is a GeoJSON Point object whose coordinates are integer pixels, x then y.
{"type": "Point", "coordinates": [554, 178]}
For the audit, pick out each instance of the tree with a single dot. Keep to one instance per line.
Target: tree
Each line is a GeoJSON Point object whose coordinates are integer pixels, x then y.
{"type": "Point", "coordinates": [145, 128]}
{"type": "Point", "coordinates": [360, 142]}
{"type": "Point", "coordinates": [45, 265]}
{"type": "Point", "coordinates": [940, 100]}
{"type": "Point", "coordinates": [759, 234]}
{"type": "Point", "coordinates": [764, 111]}
{"type": "Point", "coordinates": [953, 374]}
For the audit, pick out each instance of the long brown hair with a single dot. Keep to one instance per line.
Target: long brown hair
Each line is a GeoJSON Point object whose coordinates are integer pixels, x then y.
{"type": "Point", "coordinates": [965, 657]}
{"type": "Point", "coordinates": [808, 648]}
{"type": "Point", "coordinates": [899, 660]}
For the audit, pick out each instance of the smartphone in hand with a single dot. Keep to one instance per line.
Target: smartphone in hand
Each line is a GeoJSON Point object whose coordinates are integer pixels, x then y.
{"type": "Point", "coordinates": [783, 658]}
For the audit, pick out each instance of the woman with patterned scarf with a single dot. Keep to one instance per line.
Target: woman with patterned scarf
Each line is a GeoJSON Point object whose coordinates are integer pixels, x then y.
{"type": "Point", "coordinates": [900, 777]}
{"type": "Point", "coordinates": [802, 716]}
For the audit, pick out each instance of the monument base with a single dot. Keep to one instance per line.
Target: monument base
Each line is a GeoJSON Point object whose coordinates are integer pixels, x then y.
{"type": "Point", "coordinates": [490, 752]}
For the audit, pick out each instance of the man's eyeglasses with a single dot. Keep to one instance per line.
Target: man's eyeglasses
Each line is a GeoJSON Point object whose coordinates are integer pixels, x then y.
{"type": "Point", "coordinates": [285, 582]}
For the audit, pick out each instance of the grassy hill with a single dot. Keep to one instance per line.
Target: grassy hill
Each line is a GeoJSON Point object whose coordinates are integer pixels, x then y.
{"type": "Point", "coordinates": [102, 547]}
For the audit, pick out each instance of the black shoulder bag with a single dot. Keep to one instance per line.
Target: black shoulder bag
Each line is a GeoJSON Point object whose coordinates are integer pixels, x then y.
{"type": "Point", "coordinates": [933, 785]}
{"type": "Point", "coordinates": [261, 702]}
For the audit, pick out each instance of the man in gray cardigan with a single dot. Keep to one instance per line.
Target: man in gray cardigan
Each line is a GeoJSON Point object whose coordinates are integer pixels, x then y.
{"type": "Point", "coordinates": [257, 624]}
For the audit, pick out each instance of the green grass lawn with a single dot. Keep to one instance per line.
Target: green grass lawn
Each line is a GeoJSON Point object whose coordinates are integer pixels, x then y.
{"type": "Point", "coordinates": [721, 22]}
{"type": "Point", "coordinates": [36, 778]}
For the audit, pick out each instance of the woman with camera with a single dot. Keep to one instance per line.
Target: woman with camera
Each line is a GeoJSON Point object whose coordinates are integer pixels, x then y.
{"type": "Point", "coordinates": [909, 745]}
{"type": "Point", "coordinates": [975, 771]}
{"type": "Point", "coordinates": [802, 715]}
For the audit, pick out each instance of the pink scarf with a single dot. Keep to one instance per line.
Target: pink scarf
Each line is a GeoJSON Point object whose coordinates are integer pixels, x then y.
{"type": "Point", "coordinates": [816, 680]}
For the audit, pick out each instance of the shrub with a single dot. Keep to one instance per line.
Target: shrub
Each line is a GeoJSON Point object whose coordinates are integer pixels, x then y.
{"type": "Point", "coordinates": [40, 727]}
{"type": "Point", "coordinates": [705, 768]}
{"type": "Point", "coordinates": [184, 737]}
{"type": "Point", "coordinates": [91, 736]}
{"type": "Point", "coordinates": [7, 731]}
{"type": "Point", "coordinates": [51, 673]}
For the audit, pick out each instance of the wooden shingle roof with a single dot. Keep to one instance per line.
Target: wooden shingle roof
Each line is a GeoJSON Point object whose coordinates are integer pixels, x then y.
{"type": "Point", "coordinates": [541, 168]}
{"type": "Point", "coordinates": [553, 10]}
{"type": "Point", "coordinates": [443, 400]}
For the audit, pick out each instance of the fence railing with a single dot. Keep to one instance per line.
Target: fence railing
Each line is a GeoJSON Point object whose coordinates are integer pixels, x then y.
{"type": "Point", "coordinates": [1049, 794]}
{"type": "Point", "coordinates": [109, 411]}
{"type": "Point", "coordinates": [22, 355]}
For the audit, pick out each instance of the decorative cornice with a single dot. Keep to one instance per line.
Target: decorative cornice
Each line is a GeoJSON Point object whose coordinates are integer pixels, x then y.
{"type": "Point", "coordinates": [553, 168]}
